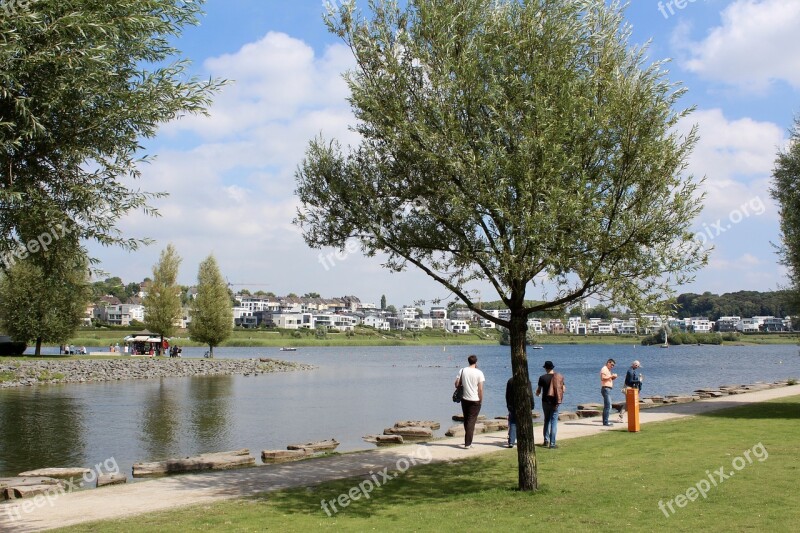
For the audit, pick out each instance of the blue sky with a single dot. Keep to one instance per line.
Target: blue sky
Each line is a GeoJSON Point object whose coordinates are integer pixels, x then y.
{"type": "Point", "coordinates": [231, 175]}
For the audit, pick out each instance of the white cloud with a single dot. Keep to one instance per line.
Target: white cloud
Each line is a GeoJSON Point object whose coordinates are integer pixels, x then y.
{"type": "Point", "coordinates": [752, 47]}
{"type": "Point", "coordinates": [736, 157]}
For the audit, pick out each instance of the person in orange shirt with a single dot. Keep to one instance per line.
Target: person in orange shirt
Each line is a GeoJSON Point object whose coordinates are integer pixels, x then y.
{"type": "Point", "coordinates": [606, 386]}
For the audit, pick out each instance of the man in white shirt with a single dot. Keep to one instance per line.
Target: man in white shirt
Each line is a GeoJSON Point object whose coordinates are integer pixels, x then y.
{"type": "Point", "coordinates": [472, 380]}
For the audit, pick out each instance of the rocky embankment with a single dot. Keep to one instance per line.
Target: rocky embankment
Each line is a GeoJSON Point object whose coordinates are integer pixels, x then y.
{"type": "Point", "coordinates": [15, 373]}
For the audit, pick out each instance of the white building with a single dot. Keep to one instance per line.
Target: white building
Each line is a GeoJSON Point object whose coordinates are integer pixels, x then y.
{"type": "Point", "coordinates": [376, 322]}
{"type": "Point", "coordinates": [457, 326]}
{"type": "Point", "coordinates": [535, 325]}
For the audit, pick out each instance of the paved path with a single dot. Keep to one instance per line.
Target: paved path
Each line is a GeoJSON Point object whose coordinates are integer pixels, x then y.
{"type": "Point", "coordinates": [167, 493]}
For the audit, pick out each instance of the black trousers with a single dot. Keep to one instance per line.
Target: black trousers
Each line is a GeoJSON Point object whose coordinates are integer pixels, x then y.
{"type": "Point", "coordinates": [470, 410]}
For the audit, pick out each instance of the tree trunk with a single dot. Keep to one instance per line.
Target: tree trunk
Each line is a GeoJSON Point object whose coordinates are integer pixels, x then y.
{"type": "Point", "coordinates": [522, 394]}
{"type": "Point", "coordinates": [38, 351]}
{"type": "Point", "coordinates": [211, 351]}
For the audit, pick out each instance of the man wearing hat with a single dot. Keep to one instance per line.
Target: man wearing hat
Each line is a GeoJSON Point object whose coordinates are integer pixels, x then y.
{"type": "Point", "coordinates": [551, 387]}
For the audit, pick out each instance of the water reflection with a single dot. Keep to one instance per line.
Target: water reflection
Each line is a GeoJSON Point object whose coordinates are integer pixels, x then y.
{"type": "Point", "coordinates": [210, 412]}
{"type": "Point", "coordinates": [161, 418]}
{"type": "Point", "coordinates": [41, 429]}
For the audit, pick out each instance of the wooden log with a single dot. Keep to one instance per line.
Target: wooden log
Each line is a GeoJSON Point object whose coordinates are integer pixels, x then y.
{"type": "Point", "coordinates": [111, 479]}
{"type": "Point", "coordinates": [317, 446]}
{"type": "Point", "coordinates": [208, 461]}
{"type": "Point", "coordinates": [281, 456]}
{"type": "Point", "coordinates": [61, 473]}
{"type": "Point", "coordinates": [410, 432]}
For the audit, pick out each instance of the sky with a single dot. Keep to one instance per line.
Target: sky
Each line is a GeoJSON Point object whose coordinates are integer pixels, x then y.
{"type": "Point", "coordinates": [230, 176]}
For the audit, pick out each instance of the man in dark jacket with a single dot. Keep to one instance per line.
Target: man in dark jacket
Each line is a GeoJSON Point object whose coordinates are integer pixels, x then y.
{"type": "Point", "coordinates": [551, 387]}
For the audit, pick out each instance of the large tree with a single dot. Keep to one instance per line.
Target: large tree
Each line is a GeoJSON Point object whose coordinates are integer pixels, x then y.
{"type": "Point", "coordinates": [162, 303]}
{"type": "Point", "coordinates": [786, 191]}
{"type": "Point", "coordinates": [523, 145]}
{"type": "Point", "coordinates": [82, 82]}
{"type": "Point", "coordinates": [212, 314]}
{"type": "Point", "coordinates": [44, 299]}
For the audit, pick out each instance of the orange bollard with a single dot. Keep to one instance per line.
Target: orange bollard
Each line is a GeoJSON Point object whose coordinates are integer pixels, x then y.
{"type": "Point", "coordinates": [632, 405]}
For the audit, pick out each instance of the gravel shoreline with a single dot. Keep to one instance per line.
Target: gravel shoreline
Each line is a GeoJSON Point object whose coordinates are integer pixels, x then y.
{"type": "Point", "coordinates": [14, 373]}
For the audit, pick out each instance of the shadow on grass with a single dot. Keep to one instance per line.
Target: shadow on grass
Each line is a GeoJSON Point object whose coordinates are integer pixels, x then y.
{"type": "Point", "coordinates": [763, 411]}
{"type": "Point", "coordinates": [441, 482]}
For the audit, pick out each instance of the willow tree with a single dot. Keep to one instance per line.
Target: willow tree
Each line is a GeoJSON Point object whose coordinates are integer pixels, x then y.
{"type": "Point", "coordinates": [81, 84]}
{"type": "Point", "coordinates": [162, 303]}
{"type": "Point", "coordinates": [521, 145]}
{"type": "Point", "coordinates": [212, 314]}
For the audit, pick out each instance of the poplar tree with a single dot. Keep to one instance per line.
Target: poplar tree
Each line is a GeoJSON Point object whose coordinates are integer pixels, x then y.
{"type": "Point", "coordinates": [162, 303]}
{"type": "Point", "coordinates": [212, 314]}
{"type": "Point", "coordinates": [786, 191]}
{"type": "Point", "coordinates": [523, 145]}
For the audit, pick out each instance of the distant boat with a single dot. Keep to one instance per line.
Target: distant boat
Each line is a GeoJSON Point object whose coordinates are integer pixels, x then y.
{"type": "Point", "coordinates": [287, 349]}
{"type": "Point", "coordinates": [537, 347]}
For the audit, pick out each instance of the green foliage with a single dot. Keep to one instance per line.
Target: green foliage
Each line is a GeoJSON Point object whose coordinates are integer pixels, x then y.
{"type": "Point", "coordinates": [212, 315]}
{"type": "Point", "coordinates": [163, 299]}
{"type": "Point", "coordinates": [683, 337]}
{"type": "Point", "coordinates": [82, 82]}
{"type": "Point", "coordinates": [321, 332]}
{"type": "Point", "coordinates": [786, 191]}
{"type": "Point", "coordinates": [43, 298]}
{"type": "Point", "coordinates": [508, 143]}
{"type": "Point", "coordinates": [742, 303]}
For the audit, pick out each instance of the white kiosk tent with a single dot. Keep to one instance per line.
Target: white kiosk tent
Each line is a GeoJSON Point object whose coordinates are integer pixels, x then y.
{"type": "Point", "coordinates": [142, 343]}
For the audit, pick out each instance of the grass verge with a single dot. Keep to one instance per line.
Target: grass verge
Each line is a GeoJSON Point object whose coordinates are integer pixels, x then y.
{"type": "Point", "coordinates": [607, 482]}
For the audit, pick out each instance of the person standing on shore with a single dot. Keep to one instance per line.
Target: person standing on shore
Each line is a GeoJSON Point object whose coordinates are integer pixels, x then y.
{"type": "Point", "coordinates": [606, 386]}
{"type": "Point", "coordinates": [472, 380]}
{"type": "Point", "coordinates": [551, 387]}
{"type": "Point", "coordinates": [512, 420]}
{"type": "Point", "coordinates": [633, 378]}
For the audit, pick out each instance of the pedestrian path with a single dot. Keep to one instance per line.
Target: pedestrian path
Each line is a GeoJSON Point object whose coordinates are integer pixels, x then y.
{"type": "Point", "coordinates": [375, 466]}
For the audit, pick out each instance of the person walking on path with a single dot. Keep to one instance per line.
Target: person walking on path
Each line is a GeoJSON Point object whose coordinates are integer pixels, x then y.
{"type": "Point", "coordinates": [606, 386]}
{"type": "Point", "coordinates": [512, 420]}
{"type": "Point", "coordinates": [472, 380]}
{"type": "Point", "coordinates": [551, 387]}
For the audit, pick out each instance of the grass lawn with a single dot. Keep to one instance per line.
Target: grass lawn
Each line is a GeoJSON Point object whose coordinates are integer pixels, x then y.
{"type": "Point", "coordinates": [608, 482]}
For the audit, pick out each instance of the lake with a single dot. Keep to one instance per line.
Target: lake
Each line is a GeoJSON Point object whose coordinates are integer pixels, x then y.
{"type": "Point", "coordinates": [352, 392]}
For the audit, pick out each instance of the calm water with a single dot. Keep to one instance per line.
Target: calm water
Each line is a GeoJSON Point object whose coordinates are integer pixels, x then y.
{"type": "Point", "coordinates": [353, 392]}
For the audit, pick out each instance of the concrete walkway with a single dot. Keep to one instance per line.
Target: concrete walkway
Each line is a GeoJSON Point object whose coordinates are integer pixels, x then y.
{"type": "Point", "coordinates": [120, 501]}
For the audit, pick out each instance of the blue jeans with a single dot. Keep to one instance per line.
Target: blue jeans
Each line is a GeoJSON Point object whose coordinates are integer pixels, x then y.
{"type": "Point", "coordinates": [606, 392]}
{"type": "Point", "coordinates": [550, 411]}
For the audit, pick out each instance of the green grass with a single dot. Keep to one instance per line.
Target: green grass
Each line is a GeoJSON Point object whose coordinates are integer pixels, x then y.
{"type": "Point", "coordinates": [609, 482]}
{"type": "Point", "coordinates": [8, 375]}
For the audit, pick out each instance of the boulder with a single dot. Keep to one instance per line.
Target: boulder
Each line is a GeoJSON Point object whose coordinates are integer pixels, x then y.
{"type": "Point", "coordinates": [381, 440]}
{"type": "Point", "coordinates": [25, 487]}
{"type": "Point", "coordinates": [208, 461]}
{"type": "Point", "coordinates": [60, 473]}
{"type": "Point", "coordinates": [316, 446]}
{"type": "Point", "coordinates": [410, 432]}
{"type": "Point", "coordinates": [281, 456]}
{"type": "Point", "coordinates": [111, 479]}
{"type": "Point", "coordinates": [567, 415]}
{"type": "Point", "coordinates": [494, 425]}
{"type": "Point", "coordinates": [418, 423]}
{"type": "Point", "coordinates": [589, 406]}
{"type": "Point", "coordinates": [587, 413]}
